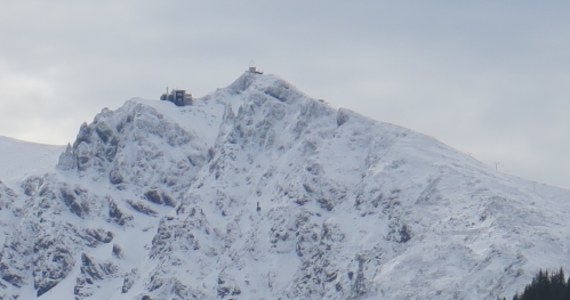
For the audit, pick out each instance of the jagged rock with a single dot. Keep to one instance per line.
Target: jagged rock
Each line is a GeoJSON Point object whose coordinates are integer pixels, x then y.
{"type": "Point", "coordinates": [227, 288]}
{"type": "Point", "coordinates": [73, 202]}
{"type": "Point", "coordinates": [115, 177]}
{"type": "Point", "coordinates": [91, 273]}
{"type": "Point", "coordinates": [343, 115]}
{"type": "Point", "coordinates": [117, 251]}
{"type": "Point", "coordinates": [13, 279]}
{"type": "Point", "coordinates": [94, 237]}
{"type": "Point", "coordinates": [129, 280]}
{"type": "Point", "coordinates": [32, 185]}
{"type": "Point", "coordinates": [141, 208]}
{"type": "Point", "coordinates": [51, 266]}
{"type": "Point", "coordinates": [116, 215]}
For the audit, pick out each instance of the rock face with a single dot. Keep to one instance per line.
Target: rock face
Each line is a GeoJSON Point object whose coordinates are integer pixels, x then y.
{"type": "Point", "coordinates": [257, 191]}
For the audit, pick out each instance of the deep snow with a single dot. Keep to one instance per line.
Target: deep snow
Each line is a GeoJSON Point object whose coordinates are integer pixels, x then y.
{"type": "Point", "coordinates": [260, 192]}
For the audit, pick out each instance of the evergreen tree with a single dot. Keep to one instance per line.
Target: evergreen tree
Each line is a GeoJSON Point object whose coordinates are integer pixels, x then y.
{"type": "Point", "coordinates": [546, 286]}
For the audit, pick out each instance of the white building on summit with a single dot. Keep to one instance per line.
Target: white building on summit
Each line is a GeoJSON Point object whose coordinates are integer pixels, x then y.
{"type": "Point", "coordinates": [253, 68]}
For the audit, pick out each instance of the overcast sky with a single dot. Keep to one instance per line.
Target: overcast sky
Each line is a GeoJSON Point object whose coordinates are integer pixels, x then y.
{"type": "Point", "coordinates": [490, 78]}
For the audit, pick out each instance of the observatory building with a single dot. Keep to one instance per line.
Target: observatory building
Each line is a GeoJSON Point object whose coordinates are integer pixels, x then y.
{"type": "Point", "coordinates": [178, 97]}
{"type": "Point", "coordinates": [253, 68]}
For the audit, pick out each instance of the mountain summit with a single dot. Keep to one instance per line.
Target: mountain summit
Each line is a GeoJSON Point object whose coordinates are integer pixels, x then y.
{"type": "Point", "coordinates": [258, 191]}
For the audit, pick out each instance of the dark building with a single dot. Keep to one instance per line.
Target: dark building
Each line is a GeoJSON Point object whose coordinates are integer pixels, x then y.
{"type": "Point", "coordinates": [178, 97]}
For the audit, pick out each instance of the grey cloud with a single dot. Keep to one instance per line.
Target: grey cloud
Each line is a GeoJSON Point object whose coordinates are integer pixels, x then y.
{"type": "Point", "coordinates": [488, 78]}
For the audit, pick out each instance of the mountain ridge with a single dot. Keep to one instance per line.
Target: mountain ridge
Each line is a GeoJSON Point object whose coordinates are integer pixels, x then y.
{"type": "Point", "coordinates": [258, 191]}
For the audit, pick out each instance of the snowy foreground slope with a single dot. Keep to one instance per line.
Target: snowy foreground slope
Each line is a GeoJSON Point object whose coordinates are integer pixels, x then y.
{"type": "Point", "coordinates": [260, 192]}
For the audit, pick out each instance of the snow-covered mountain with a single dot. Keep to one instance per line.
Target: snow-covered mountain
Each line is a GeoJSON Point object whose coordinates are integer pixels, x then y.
{"type": "Point", "coordinates": [258, 191]}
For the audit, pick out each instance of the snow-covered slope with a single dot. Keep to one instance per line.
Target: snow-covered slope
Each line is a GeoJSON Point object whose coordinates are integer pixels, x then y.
{"type": "Point", "coordinates": [22, 159]}
{"type": "Point", "coordinates": [258, 191]}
